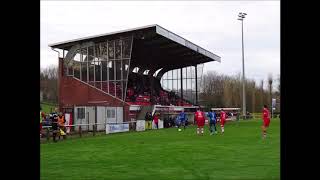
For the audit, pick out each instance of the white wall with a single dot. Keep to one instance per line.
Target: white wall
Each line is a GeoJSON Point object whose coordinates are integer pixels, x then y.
{"type": "Point", "coordinates": [77, 120]}
{"type": "Point", "coordinates": [101, 117]}
{"type": "Point", "coordinates": [119, 115]}
{"type": "Point", "coordinates": [91, 111]}
{"type": "Point", "coordinates": [118, 118]}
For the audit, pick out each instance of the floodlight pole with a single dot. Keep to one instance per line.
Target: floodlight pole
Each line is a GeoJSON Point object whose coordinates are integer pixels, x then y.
{"type": "Point", "coordinates": [181, 84]}
{"type": "Point", "coordinates": [196, 74]}
{"type": "Point", "coordinates": [241, 17]}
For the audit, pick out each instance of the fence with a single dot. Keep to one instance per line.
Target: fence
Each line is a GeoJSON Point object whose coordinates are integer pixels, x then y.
{"type": "Point", "coordinates": [77, 130]}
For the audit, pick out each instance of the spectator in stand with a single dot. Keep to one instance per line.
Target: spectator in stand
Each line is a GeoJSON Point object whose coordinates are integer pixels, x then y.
{"type": "Point", "coordinates": [152, 100]}
{"type": "Point", "coordinates": [167, 101]}
{"type": "Point", "coordinates": [135, 89]}
{"type": "Point", "coordinates": [161, 99]}
{"type": "Point", "coordinates": [133, 95]}
{"type": "Point", "coordinates": [130, 92]}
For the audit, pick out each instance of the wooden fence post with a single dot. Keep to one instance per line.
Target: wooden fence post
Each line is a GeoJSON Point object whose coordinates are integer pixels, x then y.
{"type": "Point", "coordinates": [80, 131]}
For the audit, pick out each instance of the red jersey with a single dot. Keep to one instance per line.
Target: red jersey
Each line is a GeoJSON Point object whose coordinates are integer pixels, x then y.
{"type": "Point", "coordinates": [200, 119]}
{"type": "Point", "coordinates": [155, 119]}
{"type": "Point", "coordinates": [199, 116]}
{"type": "Point", "coordinates": [223, 116]}
{"type": "Point", "coordinates": [265, 114]}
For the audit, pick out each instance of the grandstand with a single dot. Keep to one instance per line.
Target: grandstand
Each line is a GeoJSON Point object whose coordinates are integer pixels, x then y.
{"type": "Point", "coordinates": [118, 76]}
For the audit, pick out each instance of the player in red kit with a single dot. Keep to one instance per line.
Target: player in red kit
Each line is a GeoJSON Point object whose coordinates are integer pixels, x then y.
{"type": "Point", "coordinates": [200, 119]}
{"type": "Point", "coordinates": [266, 121]}
{"type": "Point", "coordinates": [223, 117]}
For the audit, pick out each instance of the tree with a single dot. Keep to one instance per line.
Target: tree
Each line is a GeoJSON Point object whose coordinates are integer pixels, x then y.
{"type": "Point", "coordinates": [48, 83]}
{"type": "Point", "coordinates": [226, 91]}
{"type": "Point", "coordinates": [253, 96]}
{"type": "Point", "coordinates": [213, 89]}
{"type": "Point", "coordinates": [261, 94]}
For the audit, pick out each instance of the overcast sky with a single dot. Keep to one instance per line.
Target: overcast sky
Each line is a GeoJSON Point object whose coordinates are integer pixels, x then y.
{"type": "Point", "coordinates": [212, 25]}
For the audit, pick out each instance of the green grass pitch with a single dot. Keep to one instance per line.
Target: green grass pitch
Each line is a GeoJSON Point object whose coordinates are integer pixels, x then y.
{"type": "Point", "coordinates": [167, 154]}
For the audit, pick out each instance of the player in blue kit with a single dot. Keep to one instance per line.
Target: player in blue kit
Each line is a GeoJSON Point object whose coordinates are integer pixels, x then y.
{"type": "Point", "coordinates": [183, 119]}
{"type": "Point", "coordinates": [212, 122]}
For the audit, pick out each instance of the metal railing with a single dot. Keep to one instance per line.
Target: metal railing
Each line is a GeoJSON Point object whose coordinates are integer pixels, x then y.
{"type": "Point", "coordinates": [77, 130]}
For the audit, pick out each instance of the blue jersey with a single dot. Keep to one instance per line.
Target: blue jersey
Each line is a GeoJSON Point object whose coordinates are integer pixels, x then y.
{"type": "Point", "coordinates": [182, 117]}
{"type": "Point", "coordinates": [212, 116]}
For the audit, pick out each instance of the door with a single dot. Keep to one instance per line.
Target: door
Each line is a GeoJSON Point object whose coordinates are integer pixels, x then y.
{"type": "Point", "coordinates": [101, 118]}
{"type": "Point", "coordinates": [91, 117]}
{"type": "Point", "coordinates": [80, 117]}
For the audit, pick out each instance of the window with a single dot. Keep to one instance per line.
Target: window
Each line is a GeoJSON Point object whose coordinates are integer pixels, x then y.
{"type": "Point", "coordinates": [111, 113]}
{"type": "Point", "coordinates": [68, 110]}
{"type": "Point", "coordinates": [80, 113]}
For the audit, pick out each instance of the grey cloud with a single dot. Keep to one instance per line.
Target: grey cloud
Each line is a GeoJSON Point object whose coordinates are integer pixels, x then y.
{"type": "Point", "coordinates": [210, 24]}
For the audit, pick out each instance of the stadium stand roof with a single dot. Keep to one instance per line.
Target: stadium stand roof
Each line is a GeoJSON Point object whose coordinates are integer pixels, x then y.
{"type": "Point", "coordinates": [153, 48]}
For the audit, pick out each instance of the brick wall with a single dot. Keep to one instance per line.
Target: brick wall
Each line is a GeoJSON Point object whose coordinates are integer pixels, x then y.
{"type": "Point", "coordinates": [73, 92]}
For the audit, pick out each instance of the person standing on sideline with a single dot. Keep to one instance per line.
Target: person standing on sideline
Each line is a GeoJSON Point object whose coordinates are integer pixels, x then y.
{"type": "Point", "coordinates": [200, 120]}
{"type": "Point", "coordinates": [61, 122]}
{"type": "Point", "coordinates": [156, 119]}
{"type": "Point", "coordinates": [223, 117]}
{"type": "Point", "coordinates": [54, 124]}
{"type": "Point", "coordinates": [148, 119]}
{"type": "Point", "coordinates": [266, 120]}
{"type": "Point", "coordinates": [212, 122]}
